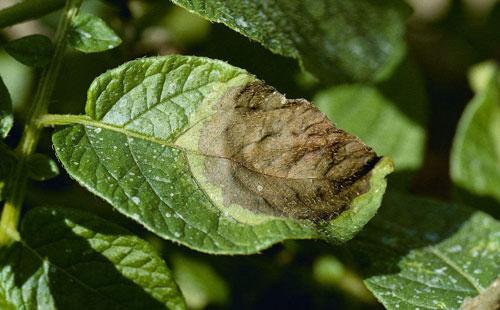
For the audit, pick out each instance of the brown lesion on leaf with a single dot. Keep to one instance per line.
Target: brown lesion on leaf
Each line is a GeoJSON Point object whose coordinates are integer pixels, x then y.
{"type": "Point", "coordinates": [489, 299]}
{"type": "Point", "coordinates": [282, 157]}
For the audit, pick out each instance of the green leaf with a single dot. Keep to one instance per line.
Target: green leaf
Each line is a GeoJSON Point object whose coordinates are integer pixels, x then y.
{"type": "Point", "coordinates": [333, 39]}
{"type": "Point", "coordinates": [164, 143]}
{"type": "Point", "coordinates": [427, 254]}
{"type": "Point", "coordinates": [69, 259]}
{"type": "Point", "coordinates": [33, 50]}
{"type": "Point", "coordinates": [7, 163]}
{"type": "Point", "coordinates": [41, 167]}
{"type": "Point", "coordinates": [387, 117]}
{"type": "Point", "coordinates": [90, 34]}
{"type": "Point", "coordinates": [200, 284]}
{"type": "Point", "coordinates": [6, 117]}
{"type": "Point", "coordinates": [475, 156]}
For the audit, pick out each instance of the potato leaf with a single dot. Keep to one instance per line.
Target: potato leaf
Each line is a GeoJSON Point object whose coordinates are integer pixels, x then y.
{"type": "Point", "coordinates": [200, 284]}
{"type": "Point", "coordinates": [7, 162]}
{"type": "Point", "coordinates": [33, 50]}
{"type": "Point", "coordinates": [205, 154]}
{"type": "Point", "coordinates": [428, 255]}
{"type": "Point", "coordinates": [90, 34]}
{"type": "Point", "coordinates": [68, 259]}
{"type": "Point", "coordinates": [335, 40]}
{"type": "Point", "coordinates": [41, 167]}
{"type": "Point", "coordinates": [475, 156]}
{"type": "Point", "coordinates": [6, 116]}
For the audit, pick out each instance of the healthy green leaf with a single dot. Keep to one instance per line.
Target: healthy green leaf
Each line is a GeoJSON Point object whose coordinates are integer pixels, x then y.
{"type": "Point", "coordinates": [69, 259]}
{"type": "Point", "coordinates": [7, 162]}
{"type": "Point", "coordinates": [202, 153]}
{"type": "Point", "coordinates": [6, 117]}
{"type": "Point", "coordinates": [33, 50]}
{"type": "Point", "coordinates": [90, 34]}
{"type": "Point", "coordinates": [475, 156]}
{"type": "Point", "coordinates": [41, 167]}
{"type": "Point", "coordinates": [199, 282]}
{"type": "Point", "coordinates": [444, 253]}
{"type": "Point", "coordinates": [333, 39]}
{"type": "Point", "coordinates": [387, 117]}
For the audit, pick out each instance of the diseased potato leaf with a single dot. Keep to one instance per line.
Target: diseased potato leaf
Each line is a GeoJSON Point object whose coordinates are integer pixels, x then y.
{"type": "Point", "coordinates": [6, 117]}
{"type": "Point", "coordinates": [90, 34]}
{"type": "Point", "coordinates": [425, 254]}
{"type": "Point", "coordinates": [335, 40]}
{"type": "Point", "coordinates": [205, 154]}
{"type": "Point", "coordinates": [488, 299]}
{"type": "Point", "coordinates": [68, 259]}
{"type": "Point", "coordinates": [33, 50]}
{"type": "Point", "coordinates": [475, 156]}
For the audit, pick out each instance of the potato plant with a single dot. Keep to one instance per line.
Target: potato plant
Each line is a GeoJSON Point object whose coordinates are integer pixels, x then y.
{"type": "Point", "coordinates": [249, 154]}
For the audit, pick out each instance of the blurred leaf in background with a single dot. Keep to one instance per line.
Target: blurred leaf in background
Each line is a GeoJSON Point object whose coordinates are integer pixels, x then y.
{"type": "Point", "coordinates": [33, 50]}
{"type": "Point", "coordinates": [475, 157]}
{"type": "Point", "coordinates": [200, 284]}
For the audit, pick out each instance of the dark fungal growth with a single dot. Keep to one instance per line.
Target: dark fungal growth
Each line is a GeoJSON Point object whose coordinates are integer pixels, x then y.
{"type": "Point", "coordinates": [282, 157]}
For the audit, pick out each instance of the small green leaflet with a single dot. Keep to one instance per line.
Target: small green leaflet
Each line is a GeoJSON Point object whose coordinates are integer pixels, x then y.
{"type": "Point", "coordinates": [428, 255]}
{"type": "Point", "coordinates": [200, 284]}
{"type": "Point", "coordinates": [387, 116]}
{"type": "Point", "coordinates": [33, 50]}
{"type": "Point", "coordinates": [336, 40]}
{"type": "Point", "coordinates": [90, 34]}
{"type": "Point", "coordinates": [7, 162]}
{"type": "Point", "coordinates": [41, 167]}
{"type": "Point", "coordinates": [68, 259]}
{"type": "Point", "coordinates": [6, 117]}
{"type": "Point", "coordinates": [475, 156]}
{"type": "Point", "coordinates": [163, 143]}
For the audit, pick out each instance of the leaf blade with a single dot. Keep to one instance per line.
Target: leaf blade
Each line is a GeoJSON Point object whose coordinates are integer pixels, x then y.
{"type": "Point", "coordinates": [68, 255]}
{"type": "Point", "coordinates": [90, 34]}
{"type": "Point", "coordinates": [41, 167]}
{"type": "Point", "coordinates": [152, 172]}
{"type": "Point", "coordinates": [422, 253]}
{"type": "Point", "coordinates": [6, 116]}
{"type": "Point", "coordinates": [33, 50]}
{"type": "Point", "coordinates": [475, 155]}
{"type": "Point", "coordinates": [333, 41]}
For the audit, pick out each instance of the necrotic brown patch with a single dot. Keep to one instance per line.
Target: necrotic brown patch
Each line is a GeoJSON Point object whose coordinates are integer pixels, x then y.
{"type": "Point", "coordinates": [282, 157]}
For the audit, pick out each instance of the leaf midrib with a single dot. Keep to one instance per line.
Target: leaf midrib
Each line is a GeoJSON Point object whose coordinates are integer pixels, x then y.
{"type": "Point", "coordinates": [58, 119]}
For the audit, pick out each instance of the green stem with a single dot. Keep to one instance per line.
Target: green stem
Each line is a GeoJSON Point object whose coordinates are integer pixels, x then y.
{"type": "Point", "coordinates": [27, 10]}
{"type": "Point", "coordinates": [29, 140]}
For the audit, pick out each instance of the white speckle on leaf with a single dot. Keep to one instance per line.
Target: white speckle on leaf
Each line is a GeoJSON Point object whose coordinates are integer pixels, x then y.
{"type": "Point", "coordinates": [455, 249]}
{"type": "Point", "coordinates": [98, 130]}
{"type": "Point", "coordinates": [136, 200]}
{"type": "Point", "coordinates": [241, 22]}
{"type": "Point", "coordinates": [440, 270]}
{"type": "Point", "coordinates": [260, 188]}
